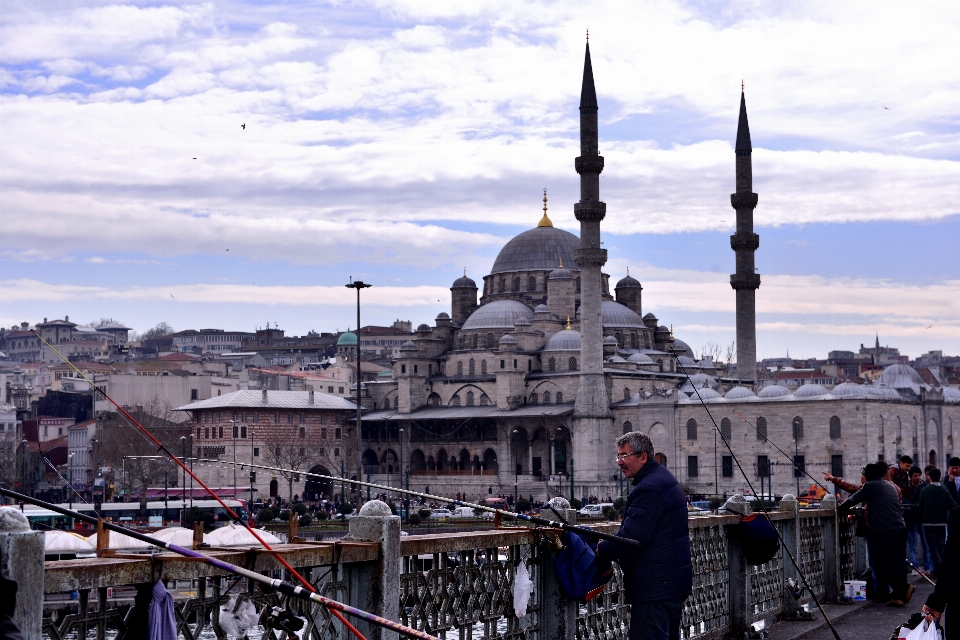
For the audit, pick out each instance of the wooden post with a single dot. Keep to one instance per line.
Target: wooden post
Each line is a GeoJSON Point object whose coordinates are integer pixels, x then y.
{"type": "Point", "coordinates": [292, 526]}
{"type": "Point", "coordinates": [197, 534]}
{"type": "Point", "coordinates": [103, 538]}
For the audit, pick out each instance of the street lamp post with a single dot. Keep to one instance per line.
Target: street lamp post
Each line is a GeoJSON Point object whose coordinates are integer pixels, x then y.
{"type": "Point", "coordinates": [23, 466]}
{"type": "Point", "coordinates": [516, 474]}
{"type": "Point", "coordinates": [358, 285]}
{"type": "Point", "coordinates": [400, 470]}
{"type": "Point", "coordinates": [191, 470]}
{"type": "Point", "coordinates": [70, 475]}
{"type": "Point", "coordinates": [234, 433]}
{"type": "Point", "coordinates": [183, 485]}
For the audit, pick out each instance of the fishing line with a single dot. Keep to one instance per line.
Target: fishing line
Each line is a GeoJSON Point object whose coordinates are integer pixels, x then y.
{"type": "Point", "coordinates": [65, 481]}
{"type": "Point", "coordinates": [460, 503]}
{"type": "Point", "coordinates": [160, 447]}
{"type": "Point", "coordinates": [763, 508]}
{"type": "Point", "coordinates": [796, 466]}
{"type": "Point", "coordinates": [286, 588]}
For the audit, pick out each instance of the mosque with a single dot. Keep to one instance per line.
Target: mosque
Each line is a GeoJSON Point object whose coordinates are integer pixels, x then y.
{"type": "Point", "coordinates": [527, 388]}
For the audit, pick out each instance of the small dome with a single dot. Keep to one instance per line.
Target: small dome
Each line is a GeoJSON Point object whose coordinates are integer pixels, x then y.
{"type": "Point", "coordinates": [615, 359]}
{"type": "Point", "coordinates": [628, 283]}
{"type": "Point", "coordinates": [425, 328]}
{"type": "Point", "coordinates": [881, 392]}
{"type": "Point", "coordinates": [687, 361]}
{"type": "Point", "coordinates": [409, 345]}
{"type": "Point", "coordinates": [443, 316]}
{"type": "Point", "coordinates": [951, 394]}
{"type": "Point", "coordinates": [508, 339]}
{"type": "Point", "coordinates": [810, 391]}
{"type": "Point", "coordinates": [705, 394]}
{"type": "Point", "coordinates": [502, 314]}
{"type": "Point", "coordinates": [561, 274]}
{"type": "Point", "coordinates": [610, 340]}
{"type": "Point", "coordinates": [649, 316]}
{"type": "Point", "coordinates": [640, 358]}
{"type": "Point", "coordinates": [847, 389]}
{"type": "Point", "coordinates": [902, 376]}
{"type": "Point", "coordinates": [538, 249]}
{"type": "Point", "coordinates": [617, 315]}
{"type": "Point", "coordinates": [347, 338]}
{"type": "Point", "coordinates": [542, 308]}
{"type": "Point", "coordinates": [566, 340]}
{"type": "Point", "coordinates": [464, 282]}
{"type": "Point", "coordinates": [738, 393]}
{"type": "Point", "coordinates": [774, 391]}
{"type": "Point", "coordinates": [682, 347]}
{"type": "Point", "coordinates": [522, 322]}
{"type": "Point", "coordinates": [701, 380]}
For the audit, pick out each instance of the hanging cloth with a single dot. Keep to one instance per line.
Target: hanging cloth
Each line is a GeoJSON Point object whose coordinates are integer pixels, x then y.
{"type": "Point", "coordinates": [162, 623]}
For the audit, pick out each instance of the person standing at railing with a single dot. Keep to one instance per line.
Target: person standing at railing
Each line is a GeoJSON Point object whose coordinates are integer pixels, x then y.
{"type": "Point", "coordinates": [934, 505]}
{"type": "Point", "coordinates": [658, 576]}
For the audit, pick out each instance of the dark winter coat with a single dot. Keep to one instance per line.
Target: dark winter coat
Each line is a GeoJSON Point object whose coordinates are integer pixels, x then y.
{"type": "Point", "coordinates": [935, 503]}
{"type": "Point", "coordinates": [656, 517]}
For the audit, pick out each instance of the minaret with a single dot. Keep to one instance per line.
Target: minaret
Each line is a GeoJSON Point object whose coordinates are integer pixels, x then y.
{"type": "Point", "coordinates": [593, 426]}
{"type": "Point", "coordinates": [746, 280]}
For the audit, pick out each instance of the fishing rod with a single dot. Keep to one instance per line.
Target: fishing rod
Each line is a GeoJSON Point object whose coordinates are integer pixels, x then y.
{"type": "Point", "coordinates": [763, 507]}
{"type": "Point", "coordinates": [459, 503]}
{"type": "Point", "coordinates": [922, 574]}
{"type": "Point", "coordinates": [160, 447]}
{"type": "Point", "coordinates": [286, 588]}
{"type": "Point", "coordinates": [796, 466]}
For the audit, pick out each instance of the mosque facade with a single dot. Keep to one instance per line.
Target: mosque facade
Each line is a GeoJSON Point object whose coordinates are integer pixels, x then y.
{"type": "Point", "coordinates": [526, 384]}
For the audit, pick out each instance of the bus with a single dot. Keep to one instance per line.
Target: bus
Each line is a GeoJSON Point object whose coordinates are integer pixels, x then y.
{"type": "Point", "coordinates": [129, 513]}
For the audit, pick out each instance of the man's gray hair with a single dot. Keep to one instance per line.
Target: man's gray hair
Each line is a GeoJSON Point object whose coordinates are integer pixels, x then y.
{"type": "Point", "coordinates": [638, 442]}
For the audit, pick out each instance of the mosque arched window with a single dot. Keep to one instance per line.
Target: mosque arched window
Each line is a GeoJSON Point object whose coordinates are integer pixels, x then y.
{"type": "Point", "coordinates": [490, 341]}
{"type": "Point", "coordinates": [455, 401]}
{"type": "Point", "coordinates": [660, 365]}
{"type": "Point", "coordinates": [502, 285]}
{"type": "Point", "coordinates": [460, 368]}
{"type": "Point", "coordinates": [483, 367]}
{"type": "Point", "coordinates": [396, 402]}
{"type": "Point", "coordinates": [573, 363]}
{"type": "Point", "coordinates": [834, 428]}
{"type": "Point", "coordinates": [534, 398]}
{"type": "Point", "coordinates": [578, 285]}
{"type": "Point", "coordinates": [725, 429]}
{"type": "Point", "coordinates": [627, 427]}
{"type": "Point", "coordinates": [619, 337]}
{"type": "Point", "coordinates": [472, 367]}
{"type": "Point", "coordinates": [633, 340]}
{"type": "Point", "coordinates": [476, 341]}
{"type": "Point", "coordinates": [559, 397]}
{"type": "Point", "coordinates": [626, 393]}
{"type": "Point", "coordinates": [516, 283]}
{"type": "Point", "coordinates": [762, 429]}
{"type": "Point", "coordinates": [691, 429]}
{"type": "Point", "coordinates": [797, 428]}
{"type": "Point", "coordinates": [546, 397]}
{"type": "Point", "coordinates": [532, 284]}
{"type": "Point", "coordinates": [469, 398]}
{"type": "Point", "coordinates": [484, 399]}
{"type": "Point", "coordinates": [552, 364]}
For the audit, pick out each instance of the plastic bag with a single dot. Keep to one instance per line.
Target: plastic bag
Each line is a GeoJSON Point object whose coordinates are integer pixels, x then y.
{"type": "Point", "coordinates": [237, 620]}
{"type": "Point", "coordinates": [522, 588]}
{"type": "Point", "coordinates": [925, 631]}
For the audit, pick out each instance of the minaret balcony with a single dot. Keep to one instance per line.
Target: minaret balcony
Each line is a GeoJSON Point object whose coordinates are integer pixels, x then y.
{"type": "Point", "coordinates": [590, 211]}
{"type": "Point", "coordinates": [590, 257]}
{"type": "Point", "coordinates": [749, 282]}
{"type": "Point", "coordinates": [591, 165]}
{"type": "Point", "coordinates": [745, 242]}
{"type": "Point", "coordinates": [743, 200]}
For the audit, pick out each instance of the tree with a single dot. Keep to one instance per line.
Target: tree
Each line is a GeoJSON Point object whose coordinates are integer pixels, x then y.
{"type": "Point", "coordinates": [161, 330]}
{"type": "Point", "coordinates": [730, 353]}
{"type": "Point", "coordinates": [288, 451]}
{"type": "Point", "coordinates": [104, 322]}
{"type": "Point", "coordinates": [710, 351]}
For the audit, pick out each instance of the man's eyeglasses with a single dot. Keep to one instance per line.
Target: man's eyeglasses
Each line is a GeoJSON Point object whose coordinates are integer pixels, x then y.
{"type": "Point", "coordinates": [624, 456]}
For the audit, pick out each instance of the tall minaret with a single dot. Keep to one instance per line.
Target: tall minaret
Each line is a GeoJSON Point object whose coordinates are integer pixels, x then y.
{"type": "Point", "coordinates": [746, 280]}
{"type": "Point", "coordinates": [592, 429]}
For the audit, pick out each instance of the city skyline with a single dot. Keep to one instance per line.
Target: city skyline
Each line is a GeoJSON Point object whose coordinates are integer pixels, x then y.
{"type": "Point", "coordinates": [399, 145]}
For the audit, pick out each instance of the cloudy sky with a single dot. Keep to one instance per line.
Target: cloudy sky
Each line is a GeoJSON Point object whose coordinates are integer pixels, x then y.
{"type": "Point", "coordinates": [403, 141]}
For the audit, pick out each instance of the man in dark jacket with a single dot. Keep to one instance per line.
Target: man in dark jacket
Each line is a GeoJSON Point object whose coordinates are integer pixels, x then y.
{"type": "Point", "coordinates": [934, 505]}
{"type": "Point", "coordinates": [947, 592]}
{"type": "Point", "coordinates": [887, 537]}
{"type": "Point", "coordinates": [658, 576]}
{"type": "Point", "coordinates": [952, 483]}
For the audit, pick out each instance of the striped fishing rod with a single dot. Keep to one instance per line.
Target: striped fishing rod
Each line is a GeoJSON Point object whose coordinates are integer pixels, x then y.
{"type": "Point", "coordinates": [458, 503]}
{"type": "Point", "coordinates": [286, 588]}
{"type": "Point", "coordinates": [161, 447]}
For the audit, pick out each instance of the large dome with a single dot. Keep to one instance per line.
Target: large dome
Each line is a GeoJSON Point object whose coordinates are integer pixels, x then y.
{"type": "Point", "coordinates": [537, 249]}
{"type": "Point", "coordinates": [901, 376]}
{"type": "Point", "coordinates": [502, 314]}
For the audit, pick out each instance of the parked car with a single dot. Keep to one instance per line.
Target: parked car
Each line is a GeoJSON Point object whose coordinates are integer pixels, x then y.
{"type": "Point", "coordinates": [440, 514]}
{"type": "Point", "coordinates": [594, 510]}
{"type": "Point", "coordinates": [463, 512]}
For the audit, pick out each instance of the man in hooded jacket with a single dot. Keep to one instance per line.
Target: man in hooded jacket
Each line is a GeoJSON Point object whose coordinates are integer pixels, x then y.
{"type": "Point", "coordinates": [658, 576]}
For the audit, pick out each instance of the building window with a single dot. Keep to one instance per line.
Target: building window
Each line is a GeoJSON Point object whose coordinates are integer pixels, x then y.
{"type": "Point", "coordinates": [199, 432]}
{"type": "Point", "coordinates": [552, 364]}
{"type": "Point", "coordinates": [403, 368]}
{"type": "Point", "coordinates": [323, 434]}
{"type": "Point", "coordinates": [256, 416]}
{"type": "Point", "coordinates": [725, 429]}
{"type": "Point", "coordinates": [836, 465]}
{"type": "Point", "coordinates": [460, 368]}
{"type": "Point", "coordinates": [336, 451]}
{"type": "Point", "coordinates": [243, 416]}
{"type": "Point", "coordinates": [559, 397]}
{"type": "Point", "coordinates": [476, 340]}
{"type": "Point", "coordinates": [693, 468]}
{"type": "Point", "coordinates": [546, 397]}
{"type": "Point", "coordinates": [763, 466]}
{"type": "Point", "coordinates": [469, 398]}
{"type": "Point", "coordinates": [573, 364]}
{"type": "Point", "coordinates": [455, 401]}
{"type": "Point", "coordinates": [253, 477]}
{"type": "Point", "coordinates": [289, 417]}
{"type": "Point", "coordinates": [578, 285]}
{"type": "Point", "coordinates": [256, 452]}
{"type": "Point", "coordinates": [206, 433]}
{"type": "Point", "coordinates": [340, 389]}
{"type": "Point", "coordinates": [532, 284]}
{"type": "Point", "coordinates": [799, 466]}
{"type": "Point", "coordinates": [302, 418]}
{"type": "Point", "coordinates": [471, 367]}
{"type": "Point", "coordinates": [243, 432]}
{"type": "Point", "coordinates": [276, 417]}
{"type": "Point", "coordinates": [835, 428]}
{"type": "Point", "coordinates": [534, 398]}
{"type": "Point", "coordinates": [503, 364]}
{"type": "Point", "coordinates": [627, 426]}
{"type": "Point", "coordinates": [516, 284]}
{"type": "Point", "coordinates": [303, 432]}
{"type": "Point", "coordinates": [194, 394]}
{"type": "Point", "coordinates": [727, 466]}
{"type": "Point", "coordinates": [221, 433]}
{"type": "Point", "coordinates": [626, 393]}
{"type": "Point", "coordinates": [236, 431]}
{"type": "Point", "coordinates": [338, 433]}
{"type": "Point", "coordinates": [691, 429]}
{"type": "Point", "coordinates": [330, 389]}
{"type": "Point", "coordinates": [483, 367]}
{"type": "Point", "coordinates": [797, 428]}
{"type": "Point", "coordinates": [762, 429]}
{"type": "Point", "coordinates": [490, 341]}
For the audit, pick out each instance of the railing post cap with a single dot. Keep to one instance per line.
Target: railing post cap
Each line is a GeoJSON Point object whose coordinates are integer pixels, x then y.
{"type": "Point", "coordinates": [788, 502]}
{"type": "Point", "coordinates": [12, 521]}
{"type": "Point", "coordinates": [737, 504]}
{"type": "Point", "coordinates": [376, 508]}
{"type": "Point", "coordinates": [828, 502]}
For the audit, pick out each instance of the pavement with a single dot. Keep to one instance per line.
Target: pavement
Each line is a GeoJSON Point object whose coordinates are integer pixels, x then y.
{"type": "Point", "coordinates": [854, 621]}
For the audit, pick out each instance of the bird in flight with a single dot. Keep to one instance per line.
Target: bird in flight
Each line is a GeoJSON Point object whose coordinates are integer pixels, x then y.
{"type": "Point", "coordinates": [171, 295]}
{"type": "Point", "coordinates": [887, 108]}
{"type": "Point", "coordinates": [244, 125]}
{"type": "Point", "coordinates": [930, 327]}
{"type": "Point", "coordinates": [194, 158]}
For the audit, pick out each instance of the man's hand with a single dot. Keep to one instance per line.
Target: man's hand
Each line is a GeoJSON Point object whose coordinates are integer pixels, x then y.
{"type": "Point", "coordinates": [930, 613]}
{"type": "Point", "coordinates": [829, 478]}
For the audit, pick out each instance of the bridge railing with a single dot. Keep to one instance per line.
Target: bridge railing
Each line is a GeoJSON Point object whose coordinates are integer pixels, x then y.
{"type": "Point", "coordinates": [457, 585]}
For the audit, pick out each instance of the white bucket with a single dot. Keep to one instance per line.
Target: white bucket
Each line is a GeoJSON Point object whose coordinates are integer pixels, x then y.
{"type": "Point", "coordinates": [855, 590]}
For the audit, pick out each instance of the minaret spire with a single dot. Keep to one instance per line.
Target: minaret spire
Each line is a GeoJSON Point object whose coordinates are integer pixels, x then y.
{"type": "Point", "coordinates": [592, 425]}
{"type": "Point", "coordinates": [745, 242]}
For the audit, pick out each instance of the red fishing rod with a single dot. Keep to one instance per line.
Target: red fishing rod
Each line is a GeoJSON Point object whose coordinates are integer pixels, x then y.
{"type": "Point", "coordinates": [160, 447]}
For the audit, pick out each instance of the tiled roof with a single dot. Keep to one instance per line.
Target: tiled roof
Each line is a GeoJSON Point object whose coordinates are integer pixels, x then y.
{"type": "Point", "coordinates": [275, 400]}
{"type": "Point", "coordinates": [478, 411]}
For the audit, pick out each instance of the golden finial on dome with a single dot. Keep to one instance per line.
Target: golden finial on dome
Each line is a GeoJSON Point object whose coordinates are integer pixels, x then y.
{"type": "Point", "coordinates": [671, 331]}
{"type": "Point", "coordinates": [628, 272]}
{"type": "Point", "coordinates": [465, 272]}
{"type": "Point", "coordinates": [545, 220]}
{"type": "Point", "coordinates": [568, 323]}
{"type": "Point", "coordinates": [561, 263]}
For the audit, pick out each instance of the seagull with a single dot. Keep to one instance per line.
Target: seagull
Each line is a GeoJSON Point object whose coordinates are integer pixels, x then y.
{"type": "Point", "coordinates": [930, 327]}
{"type": "Point", "coordinates": [243, 126]}
{"type": "Point", "coordinates": [171, 295]}
{"type": "Point", "coordinates": [887, 108]}
{"type": "Point", "coordinates": [194, 158]}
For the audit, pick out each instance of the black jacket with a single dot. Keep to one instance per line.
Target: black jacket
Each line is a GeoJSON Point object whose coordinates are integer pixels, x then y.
{"type": "Point", "coordinates": [952, 488]}
{"type": "Point", "coordinates": [656, 517]}
{"type": "Point", "coordinates": [947, 591]}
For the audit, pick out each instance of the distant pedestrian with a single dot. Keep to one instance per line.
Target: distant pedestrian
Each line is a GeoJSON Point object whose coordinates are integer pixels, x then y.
{"type": "Point", "coordinates": [952, 483]}
{"type": "Point", "coordinates": [934, 505]}
{"type": "Point", "coordinates": [658, 576]}
{"type": "Point", "coordinates": [887, 534]}
{"type": "Point", "coordinates": [946, 595]}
